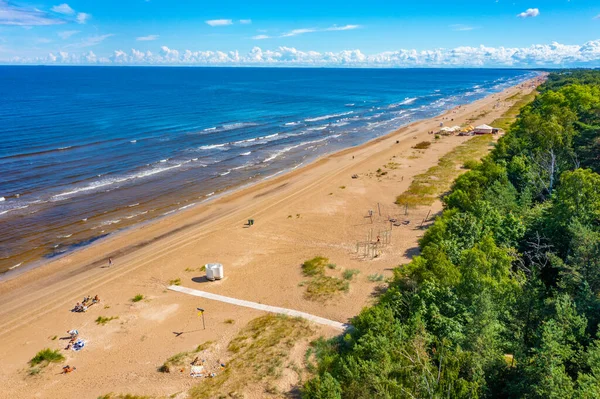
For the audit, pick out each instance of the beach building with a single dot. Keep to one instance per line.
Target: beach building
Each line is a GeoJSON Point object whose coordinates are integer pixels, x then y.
{"type": "Point", "coordinates": [485, 129]}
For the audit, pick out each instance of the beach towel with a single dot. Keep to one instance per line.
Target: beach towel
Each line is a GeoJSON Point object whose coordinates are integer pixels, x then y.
{"type": "Point", "coordinates": [77, 346]}
{"type": "Point", "coordinates": [197, 371]}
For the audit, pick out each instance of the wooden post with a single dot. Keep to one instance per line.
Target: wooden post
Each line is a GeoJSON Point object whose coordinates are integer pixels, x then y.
{"type": "Point", "coordinates": [379, 209]}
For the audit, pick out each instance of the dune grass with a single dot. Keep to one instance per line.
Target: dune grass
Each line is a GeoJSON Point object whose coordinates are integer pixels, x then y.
{"type": "Point", "coordinates": [259, 353]}
{"type": "Point", "coordinates": [423, 145]}
{"type": "Point", "coordinates": [182, 358]}
{"type": "Point", "coordinates": [375, 277]}
{"type": "Point", "coordinates": [46, 356]}
{"type": "Point", "coordinates": [324, 287]}
{"type": "Point", "coordinates": [314, 266]}
{"type": "Point", "coordinates": [427, 187]}
{"type": "Point", "coordinates": [137, 298]}
{"type": "Point", "coordinates": [101, 320]}
{"type": "Point", "coordinates": [350, 273]}
{"type": "Point", "coordinates": [176, 281]}
{"type": "Point", "coordinates": [122, 396]}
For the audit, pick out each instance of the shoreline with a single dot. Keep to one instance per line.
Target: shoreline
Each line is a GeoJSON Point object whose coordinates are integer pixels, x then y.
{"type": "Point", "coordinates": [316, 210]}
{"type": "Point", "coordinates": [20, 269]}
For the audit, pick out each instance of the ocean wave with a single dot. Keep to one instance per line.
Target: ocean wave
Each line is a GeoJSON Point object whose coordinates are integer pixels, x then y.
{"type": "Point", "coordinates": [2, 199]}
{"type": "Point", "coordinates": [230, 126]}
{"type": "Point", "coordinates": [287, 149]}
{"type": "Point", "coordinates": [246, 153]}
{"type": "Point", "coordinates": [225, 173]}
{"type": "Point", "coordinates": [292, 123]}
{"type": "Point", "coordinates": [317, 128]}
{"type": "Point", "coordinates": [406, 101]}
{"type": "Point", "coordinates": [212, 146]}
{"type": "Point", "coordinates": [349, 105]}
{"type": "Point", "coordinates": [15, 266]}
{"type": "Point", "coordinates": [325, 117]}
{"type": "Point", "coordinates": [109, 182]}
{"type": "Point", "coordinates": [136, 215]}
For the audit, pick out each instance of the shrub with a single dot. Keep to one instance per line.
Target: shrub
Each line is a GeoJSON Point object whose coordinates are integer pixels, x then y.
{"type": "Point", "coordinates": [137, 298]}
{"type": "Point", "coordinates": [47, 356]}
{"type": "Point", "coordinates": [423, 145]}
{"type": "Point", "coordinates": [375, 277]}
{"type": "Point", "coordinates": [177, 281]}
{"type": "Point", "coordinates": [324, 287]}
{"type": "Point", "coordinates": [350, 273]}
{"type": "Point", "coordinates": [314, 266]}
{"type": "Point", "coordinates": [437, 136]}
{"type": "Point", "coordinates": [103, 320]}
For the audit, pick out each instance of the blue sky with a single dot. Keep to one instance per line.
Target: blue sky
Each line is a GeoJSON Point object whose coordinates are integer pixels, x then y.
{"type": "Point", "coordinates": [308, 32]}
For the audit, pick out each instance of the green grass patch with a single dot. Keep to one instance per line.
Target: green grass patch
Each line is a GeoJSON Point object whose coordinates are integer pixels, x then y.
{"type": "Point", "coordinates": [137, 298]}
{"type": "Point", "coordinates": [176, 281]}
{"type": "Point", "coordinates": [331, 266]}
{"type": "Point", "coordinates": [101, 320]}
{"type": "Point", "coordinates": [315, 266]}
{"type": "Point", "coordinates": [342, 187]}
{"type": "Point", "coordinates": [322, 288]}
{"type": "Point", "coordinates": [427, 187]}
{"type": "Point", "coordinates": [229, 321]}
{"type": "Point", "coordinates": [375, 277]}
{"type": "Point", "coordinates": [46, 356]}
{"type": "Point", "coordinates": [259, 353]}
{"type": "Point", "coordinates": [350, 273]}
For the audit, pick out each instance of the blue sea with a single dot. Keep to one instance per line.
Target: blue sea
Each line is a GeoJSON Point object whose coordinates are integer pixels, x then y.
{"type": "Point", "coordinates": [86, 151]}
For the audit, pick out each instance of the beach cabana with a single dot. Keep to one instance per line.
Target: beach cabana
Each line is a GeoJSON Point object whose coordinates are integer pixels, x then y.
{"type": "Point", "coordinates": [484, 129]}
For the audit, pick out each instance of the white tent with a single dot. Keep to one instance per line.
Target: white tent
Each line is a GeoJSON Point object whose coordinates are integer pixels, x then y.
{"type": "Point", "coordinates": [484, 129]}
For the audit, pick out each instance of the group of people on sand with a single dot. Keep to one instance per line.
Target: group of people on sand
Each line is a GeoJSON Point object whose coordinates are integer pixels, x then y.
{"type": "Point", "coordinates": [86, 303]}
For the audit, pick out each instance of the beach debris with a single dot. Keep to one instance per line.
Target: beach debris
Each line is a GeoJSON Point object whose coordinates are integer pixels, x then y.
{"type": "Point", "coordinates": [355, 176]}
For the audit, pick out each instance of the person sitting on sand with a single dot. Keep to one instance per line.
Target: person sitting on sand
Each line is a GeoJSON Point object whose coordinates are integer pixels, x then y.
{"type": "Point", "coordinates": [78, 307]}
{"type": "Point", "coordinates": [67, 369]}
{"type": "Point", "coordinates": [73, 333]}
{"type": "Point", "coordinates": [96, 299]}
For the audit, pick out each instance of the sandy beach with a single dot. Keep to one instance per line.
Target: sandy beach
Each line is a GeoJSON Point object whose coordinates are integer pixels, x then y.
{"type": "Point", "coordinates": [317, 210]}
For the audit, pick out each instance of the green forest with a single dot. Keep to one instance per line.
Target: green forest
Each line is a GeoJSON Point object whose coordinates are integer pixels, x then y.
{"type": "Point", "coordinates": [504, 299]}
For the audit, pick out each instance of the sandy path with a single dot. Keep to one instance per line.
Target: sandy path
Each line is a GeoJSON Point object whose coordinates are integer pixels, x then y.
{"type": "Point", "coordinates": [315, 210]}
{"type": "Point", "coordinates": [259, 306]}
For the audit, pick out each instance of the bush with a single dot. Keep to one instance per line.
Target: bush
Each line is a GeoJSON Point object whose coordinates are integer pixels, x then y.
{"type": "Point", "coordinates": [437, 136]}
{"type": "Point", "coordinates": [471, 164]}
{"type": "Point", "coordinates": [350, 273]}
{"type": "Point", "coordinates": [423, 145]}
{"type": "Point", "coordinates": [315, 266]}
{"type": "Point", "coordinates": [375, 277]}
{"type": "Point", "coordinates": [103, 320]}
{"type": "Point", "coordinates": [47, 356]}
{"type": "Point", "coordinates": [177, 281]}
{"type": "Point", "coordinates": [137, 298]}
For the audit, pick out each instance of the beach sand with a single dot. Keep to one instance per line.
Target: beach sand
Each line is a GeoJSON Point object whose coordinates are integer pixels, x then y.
{"type": "Point", "coordinates": [317, 210]}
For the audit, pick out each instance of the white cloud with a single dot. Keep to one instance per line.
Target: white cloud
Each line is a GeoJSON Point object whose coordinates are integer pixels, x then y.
{"type": "Point", "coordinates": [345, 27]}
{"type": "Point", "coordinates": [219, 22]}
{"type": "Point", "coordinates": [461, 27]}
{"type": "Point", "coordinates": [245, 21]}
{"type": "Point", "coordinates": [597, 16]}
{"type": "Point", "coordinates": [296, 32]}
{"type": "Point", "coordinates": [83, 17]}
{"type": "Point", "coordinates": [261, 37]}
{"type": "Point", "coordinates": [22, 16]}
{"type": "Point", "coordinates": [67, 34]}
{"type": "Point", "coordinates": [63, 9]}
{"type": "Point", "coordinates": [90, 41]}
{"type": "Point", "coordinates": [529, 13]}
{"type": "Point", "coordinates": [541, 55]}
{"type": "Point", "coordinates": [147, 38]}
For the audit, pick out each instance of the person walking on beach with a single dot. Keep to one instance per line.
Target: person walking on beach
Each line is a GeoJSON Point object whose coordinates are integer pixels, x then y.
{"type": "Point", "coordinates": [109, 262]}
